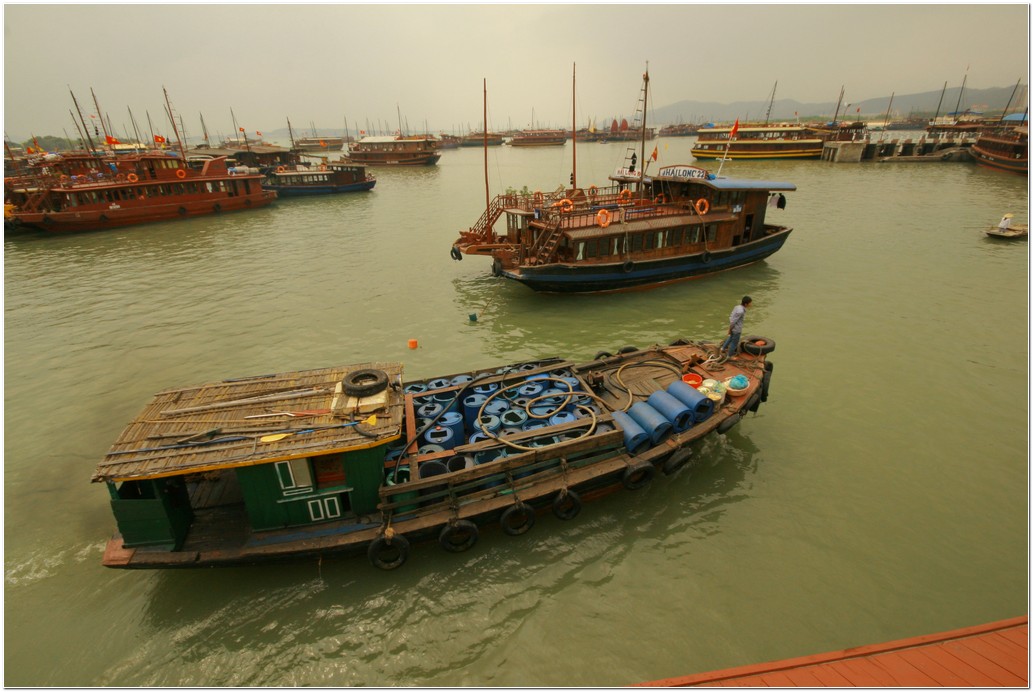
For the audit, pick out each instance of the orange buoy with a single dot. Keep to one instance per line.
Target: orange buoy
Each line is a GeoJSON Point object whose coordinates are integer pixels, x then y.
{"type": "Point", "coordinates": [413, 343]}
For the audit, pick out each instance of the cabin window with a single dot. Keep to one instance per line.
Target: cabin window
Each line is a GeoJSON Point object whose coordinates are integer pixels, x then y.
{"type": "Point", "coordinates": [711, 231]}
{"type": "Point", "coordinates": [295, 476]}
{"type": "Point", "coordinates": [592, 248]}
{"type": "Point", "coordinates": [636, 242]}
{"type": "Point", "coordinates": [329, 471]}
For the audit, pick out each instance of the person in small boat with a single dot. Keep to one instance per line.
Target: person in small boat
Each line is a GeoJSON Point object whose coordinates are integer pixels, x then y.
{"type": "Point", "coordinates": [730, 346]}
{"type": "Point", "coordinates": [1005, 222]}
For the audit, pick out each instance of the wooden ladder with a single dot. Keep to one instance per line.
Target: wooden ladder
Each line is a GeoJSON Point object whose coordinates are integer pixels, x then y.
{"type": "Point", "coordinates": [544, 247]}
{"type": "Point", "coordinates": [484, 225]}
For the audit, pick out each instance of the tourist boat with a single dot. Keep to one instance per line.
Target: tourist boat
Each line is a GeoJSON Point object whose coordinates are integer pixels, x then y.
{"type": "Point", "coordinates": [755, 142]}
{"type": "Point", "coordinates": [538, 138]}
{"type": "Point", "coordinates": [356, 458]}
{"type": "Point", "coordinates": [1003, 148]}
{"type": "Point", "coordinates": [79, 191]}
{"type": "Point", "coordinates": [643, 230]}
{"type": "Point", "coordinates": [319, 145]}
{"type": "Point", "coordinates": [395, 150]}
{"type": "Point", "coordinates": [679, 130]}
{"type": "Point", "coordinates": [323, 179]}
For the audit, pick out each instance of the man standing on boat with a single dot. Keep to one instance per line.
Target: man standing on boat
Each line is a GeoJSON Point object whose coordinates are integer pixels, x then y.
{"type": "Point", "coordinates": [730, 346]}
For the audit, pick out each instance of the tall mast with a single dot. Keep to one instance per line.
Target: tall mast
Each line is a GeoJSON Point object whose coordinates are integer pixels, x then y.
{"type": "Point", "coordinates": [957, 108]}
{"type": "Point", "coordinates": [172, 120]}
{"type": "Point", "coordinates": [1008, 105]}
{"type": "Point", "coordinates": [89, 139]}
{"type": "Point", "coordinates": [236, 128]}
{"type": "Point", "coordinates": [487, 195]}
{"type": "Point", "coordinates": [204, 129]}
{"type": "Point", "coordinates": [573, 131]}
{"type": "Point", "coordinates": [842, 90]}
{"type": "Point", "coordinates": [99, 115]}
{"type": "Point", "coordinates": [645, 104]}
{"type": "Point", "coordinates": [771, 102]}
{"type": "Point", "coordinates": [136, 130]}
{"type": "Point", "coordinates": [82, 139]}
{"type": "Point", "coordinates": [290, 132]}
{"type": "Point", "coordinates": [940, 103]}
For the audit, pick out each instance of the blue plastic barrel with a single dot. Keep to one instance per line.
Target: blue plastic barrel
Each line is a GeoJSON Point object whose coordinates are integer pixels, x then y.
{"type": "Point", "coordinates": [513, 418]}
{"type": "Point", "coordinates": [471, 407]}
{"type": "Point", "coordinates": [431, 449]}
{"type": "Point", "coordinates": [497, 406]}
{"type": "Point", "coordinates": [429, 409]}
{"type": "Point", "coordinates": [453, 420]}
{"type": "Point", "coordinates": [440, 436]}
{"type": "Point", "coordinates": [672, 409]}
{"type": "Point", "coordinates": [490, 423]}
{"type": "Point", "coordinates": [651, 420]}
{"type": "Point", "coordinates": [702, 407]}
{"type": "Point", "coordinates": [439, 383]}
{"type": "Point", "coordinates": [534, 424]}
{"type": "Point", "coordinates": [531, 389]}
{"type": "Point", "coordinates": [429, 469]}
{"type": "Point", "coordinates": [562, 417]}
{"type": "Point", "coordinates": [415, 388]}
{"type": "Point", "coordinates": [447, 400]}
{"type": "Point", "coordinates": [486, 389]}
{"type": "Point", "coordinates": [397, 478]}
{"type": "Point", "coordinates": [460, 380]}
{"type": "Point", "coordinates": [635, 438]}
{"type": "Point", "coordinates": [459, 462]}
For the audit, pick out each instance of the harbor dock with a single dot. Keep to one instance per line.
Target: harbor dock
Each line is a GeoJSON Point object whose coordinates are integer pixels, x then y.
{"type": "Point", "coordinates": [923, 150]}
{"type": "Point", "coordinates": [991, 655]}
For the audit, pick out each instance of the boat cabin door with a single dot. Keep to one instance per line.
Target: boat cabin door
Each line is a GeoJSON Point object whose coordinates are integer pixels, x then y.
{"type": "Point", "coordinates": [747, 232]}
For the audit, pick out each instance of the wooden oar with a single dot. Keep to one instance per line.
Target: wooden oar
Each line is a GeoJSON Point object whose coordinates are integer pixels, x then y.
{"type": "Point", "coordinates": [372, 420]}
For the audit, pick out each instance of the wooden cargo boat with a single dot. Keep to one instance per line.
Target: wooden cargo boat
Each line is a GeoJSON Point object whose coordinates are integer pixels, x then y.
{"type": "Point", "coordinates": [539, 138]}
{"type": "Point", "coordinates": [324, 179]}
{"type": "Point", "coordinates": [355, 459]}
{"type": "Point", "coordinates": [479, 139]}
{"type": "Point", "coordinates": [85, 192]}
{"type": "Point", "coordinates": [412, 150]}
{"type": "Point", "coordinates": [748, 142]}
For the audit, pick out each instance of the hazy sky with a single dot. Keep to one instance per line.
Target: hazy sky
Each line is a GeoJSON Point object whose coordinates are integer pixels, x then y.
{"type": "Point", "coordinates": [323, 63]}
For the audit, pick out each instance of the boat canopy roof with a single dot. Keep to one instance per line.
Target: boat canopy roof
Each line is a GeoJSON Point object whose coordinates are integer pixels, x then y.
{"type": "Point", "coordinates": [694, 174]}
{"type": "Point", "coordinates": [254, 420]}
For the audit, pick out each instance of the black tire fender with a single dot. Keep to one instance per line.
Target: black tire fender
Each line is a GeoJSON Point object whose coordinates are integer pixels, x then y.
{"type": "Point", "coordinates": [765, 381]}
{"type": "Point", "coordinates": [638, 475]}
{"type": "Point", "coordinates": [603, 354]}
{"type": "Point", "coordinates": [388, 553]}
{"type": "Point", "coordinates": [217, 208]}
{"type": "Point", "coordinates": [758, 345]}
{"type": "Point", "coordinates": [566, 504]}
{"type": "Point", "coordinates": [706, 257]}
{"type": "Point", "coordinates": [458, 536]}
{"type": "Point", "coordinates": [627, 349]}
{"type": "Point", "coordinates": [728, 423]}
{"type": "Point", "coordinates": [517, 519]}
{"type": "Point", "coordinates": [678, 458]}
{"type": "Point", "coordinates": [182, 211]}
{"type": "Point", "coordinates": [365, 382]}
{"type": "Point", "coordinates": [456, 254]}
{"type": "Point", "coordinates": [627, 267]}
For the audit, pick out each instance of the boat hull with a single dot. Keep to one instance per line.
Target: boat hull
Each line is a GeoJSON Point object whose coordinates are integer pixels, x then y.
{"type": "Point", "coordinates": [117, 217]}
{"type": "Point", "coordinates": [604, 278]}
{"type": "Point", "coordinates": [317, 190]}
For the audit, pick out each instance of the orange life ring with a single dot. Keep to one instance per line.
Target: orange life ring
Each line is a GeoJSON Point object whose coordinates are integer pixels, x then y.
{"type": "Point", "coordinates": [702, 206]}
{"type": "Point", "coordinates": [566, 206]}
{"type": "Point", "coordinates": [603, 218]}
{"type": "Point", "coordinates": [592, 191]}
{"type": "Point", "coordinates": [280, 169]}
{"type": "Point", "coordinates": [660, 199]}
{"type": "Point", "coordinates": [132, 177]}
{"type": "Point", "coordinates": [625, 195]}
{"type": "Point", "coordinates": [180, 173]}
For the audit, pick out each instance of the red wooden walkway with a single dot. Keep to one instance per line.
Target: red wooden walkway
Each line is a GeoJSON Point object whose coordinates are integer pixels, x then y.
{"type": "Point", "coordinates": [992, 655]}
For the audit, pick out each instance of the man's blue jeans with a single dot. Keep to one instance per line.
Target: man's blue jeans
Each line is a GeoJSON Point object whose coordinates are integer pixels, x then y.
{"type": "Point", "coordinates": [731, 344]}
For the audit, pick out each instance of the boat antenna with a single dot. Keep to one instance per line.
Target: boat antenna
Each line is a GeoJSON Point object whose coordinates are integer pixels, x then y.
{"type": "Point", "coordinates": [573, 132]}
{"type": "Point", "coordinates": [771, 102]}
{"type": "Point", "coordinates": [1008, 105]}
{"type": "Point", "coordinates": [487, 195]}
{"type": "Point", "coordinates": [168, 106]}
{"type": "Point", "coordinates": [89, 139]}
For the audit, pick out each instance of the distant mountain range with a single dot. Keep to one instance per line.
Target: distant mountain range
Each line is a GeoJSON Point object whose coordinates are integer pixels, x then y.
{"type": "Point", "coordinates": [904, 105]}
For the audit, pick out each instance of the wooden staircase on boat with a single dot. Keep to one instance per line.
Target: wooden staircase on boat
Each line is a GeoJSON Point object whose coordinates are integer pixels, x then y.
{"type": "Point", "coordinates": [545, 245]}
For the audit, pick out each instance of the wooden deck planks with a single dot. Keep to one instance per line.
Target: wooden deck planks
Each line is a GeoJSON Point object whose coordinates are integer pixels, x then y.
{"type": "Point", "coordinates": [991, 655]}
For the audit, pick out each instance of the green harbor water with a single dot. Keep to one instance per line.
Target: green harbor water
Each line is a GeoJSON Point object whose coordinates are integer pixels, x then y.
{"type": "Point", "coordinates": [882, 492]}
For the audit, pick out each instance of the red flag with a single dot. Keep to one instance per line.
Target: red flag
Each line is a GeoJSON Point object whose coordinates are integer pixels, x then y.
{"type": "Point", "coordinates": [655, 152]}
{"type": "Point", "coordinates": [242, 129]}
{"type": "Point", "coordinates": [735, 129]}
{"type": "Point", "coordinates": [111, 140]}
{"type": "Point", "coordinates": [158, 139]}
{"type": "Point", "coordinates": [258, 133]}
